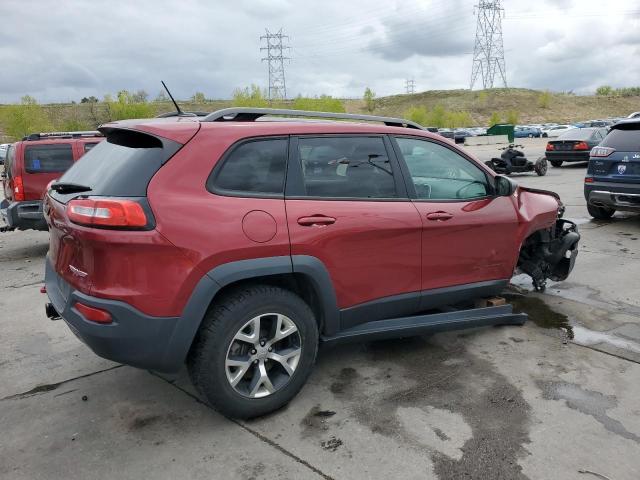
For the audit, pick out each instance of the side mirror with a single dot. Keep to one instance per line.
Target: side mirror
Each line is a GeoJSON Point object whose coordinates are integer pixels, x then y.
{"type": "Point", "coordinates": [504, 186]}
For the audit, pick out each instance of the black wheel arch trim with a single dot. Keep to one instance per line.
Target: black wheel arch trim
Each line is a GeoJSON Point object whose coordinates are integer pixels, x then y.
{"type": "Point", "coordinates": [228, 273]}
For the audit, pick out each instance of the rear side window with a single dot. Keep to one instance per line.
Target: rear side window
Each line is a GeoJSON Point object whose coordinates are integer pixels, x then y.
{"type": "Point", "coordinates": [346, 167]}
{"type": "Point", "coordinates": [47, 158]}
{"type": "Point", "coordinates": [623, 140]}
{"type": "Point", "coordinates": [255, 167]}
{"type": "Point", "coordinates": [89, 146]}
{"type": "Point", "coordinates": [120, 166]}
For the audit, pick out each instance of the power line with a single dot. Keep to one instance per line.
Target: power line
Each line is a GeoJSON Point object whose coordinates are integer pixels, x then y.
{"type": "Point", "coordinates": [275, 59]}
{"type": "Point", "coordinates": [410, 86]}
{"type": "Point", "coordinates": [488, 52]}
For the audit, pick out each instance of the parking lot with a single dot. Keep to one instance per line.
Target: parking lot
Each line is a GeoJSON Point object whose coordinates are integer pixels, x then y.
{"type": "Point", "coordinates": [556, 398]}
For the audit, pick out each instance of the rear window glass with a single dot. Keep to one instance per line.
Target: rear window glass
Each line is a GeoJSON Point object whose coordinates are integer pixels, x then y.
{"type": "Point", "coordinates": [120, 166]}
{"type": "Point", "coordinates": [578, 134]}
{"type": "Point", "coordinates": [626, 140]}
{"type": "Point", "coordinates": [47, 158]}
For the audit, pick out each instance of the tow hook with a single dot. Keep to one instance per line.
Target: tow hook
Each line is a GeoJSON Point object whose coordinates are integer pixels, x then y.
{"type": "Point", "coordinates": [51, 312]}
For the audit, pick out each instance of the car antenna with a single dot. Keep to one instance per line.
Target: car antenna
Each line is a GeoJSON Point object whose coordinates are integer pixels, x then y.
{"type": "Point", "coordinates": [180, 112]}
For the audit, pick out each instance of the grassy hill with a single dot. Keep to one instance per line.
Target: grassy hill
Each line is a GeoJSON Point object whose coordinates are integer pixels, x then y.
{"type": "Point", "coordinates": [527, 106]}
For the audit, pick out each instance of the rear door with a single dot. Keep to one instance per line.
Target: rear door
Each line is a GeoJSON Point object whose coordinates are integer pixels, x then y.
{"type": "Point", "coordinates": [347, 206]}
{"type": "Point", "coordinates": [468, 233]}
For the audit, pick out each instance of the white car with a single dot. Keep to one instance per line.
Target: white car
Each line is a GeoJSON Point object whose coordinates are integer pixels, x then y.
{"type": "Point", "coordinates": [634, 115]}
{"type": "Point", "coordinates": [557, 130]}
{"type": "Point", "coordinates": [3, 152]}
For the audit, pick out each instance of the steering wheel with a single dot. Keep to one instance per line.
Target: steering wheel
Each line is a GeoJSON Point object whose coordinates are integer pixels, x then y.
{"type": "Point", "coordinates": [471, 182]}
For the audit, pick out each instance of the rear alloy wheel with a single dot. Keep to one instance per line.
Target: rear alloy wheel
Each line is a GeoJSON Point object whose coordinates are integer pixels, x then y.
{"type": "Point", "coordinates": [541, 166]}
{"type": "Point", "coordinates": [254, 351]}
{"type": "Point", "coordinates": [601, 213]}
{"type": "Point", "coordinates": [556, 163]}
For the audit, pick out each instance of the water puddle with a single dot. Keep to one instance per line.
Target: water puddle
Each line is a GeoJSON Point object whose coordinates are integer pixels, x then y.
{"type": "Point", "coordinates": [541, 314]}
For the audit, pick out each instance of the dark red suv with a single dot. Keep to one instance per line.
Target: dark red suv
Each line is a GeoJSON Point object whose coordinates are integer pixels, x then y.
{"type": "Point", "coordinates": [237, 245]}
{"type": "Point", "coordinates": [30, 165]}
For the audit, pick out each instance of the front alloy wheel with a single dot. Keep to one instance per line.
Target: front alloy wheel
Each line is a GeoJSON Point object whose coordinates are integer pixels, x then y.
{"type": "Point", "coordinates": [263, 355]}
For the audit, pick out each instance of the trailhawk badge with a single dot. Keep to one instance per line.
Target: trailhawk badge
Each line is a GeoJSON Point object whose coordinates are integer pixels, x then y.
{"type": "Point", "coordinates": [622, 169]}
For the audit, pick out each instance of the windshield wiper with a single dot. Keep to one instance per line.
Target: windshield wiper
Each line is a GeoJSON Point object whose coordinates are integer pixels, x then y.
{"type": "Point", "coordinates": [62, 187]}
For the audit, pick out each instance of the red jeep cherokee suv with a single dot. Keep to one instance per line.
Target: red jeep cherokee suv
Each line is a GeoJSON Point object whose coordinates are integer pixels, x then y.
{"type": "Point", "coordinates": [30, 165]}
{"type": "Point", "coordinates": [236, 245]}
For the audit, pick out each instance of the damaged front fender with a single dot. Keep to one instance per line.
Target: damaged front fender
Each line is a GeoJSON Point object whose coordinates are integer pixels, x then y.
{"type": "Point", "coordinates": [550, 253]}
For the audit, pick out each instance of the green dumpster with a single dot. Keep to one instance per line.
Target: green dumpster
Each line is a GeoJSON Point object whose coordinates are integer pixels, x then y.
{"type": "Point", "coordinates": [502, 129]}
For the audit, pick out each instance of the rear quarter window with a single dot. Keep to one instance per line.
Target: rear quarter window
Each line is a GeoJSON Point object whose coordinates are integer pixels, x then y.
{"type": "Point", "coordinates": [48, 158]}
{"type": "Point", "coordinates": [623, 140]}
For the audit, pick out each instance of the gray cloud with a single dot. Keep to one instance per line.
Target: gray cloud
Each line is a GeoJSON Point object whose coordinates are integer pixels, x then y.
{"type": "Point", "coordinates": [338, 48]}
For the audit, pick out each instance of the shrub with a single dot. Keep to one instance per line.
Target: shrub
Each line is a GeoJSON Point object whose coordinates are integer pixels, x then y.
{"type": "Point", "coordinates": [25, 118]}
{"type": "Point", "coordinates": [513, 117]}
{"type": "Point", "coordinates": [604, 90]}
{"type": "Point", "coordinates": [544, 99]}
{"type": "Point", "coordinates": [323, 103]}
{"type": "Point", "coordinates": [250, 97]}
{"type": "Point", "coordinates": [126, 107]}
{"type": "Point", "coordinates": [494, 119]}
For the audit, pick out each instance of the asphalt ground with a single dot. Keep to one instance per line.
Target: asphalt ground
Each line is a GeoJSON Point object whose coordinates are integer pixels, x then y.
{"type": "Point", "coordinates": [554, 399]}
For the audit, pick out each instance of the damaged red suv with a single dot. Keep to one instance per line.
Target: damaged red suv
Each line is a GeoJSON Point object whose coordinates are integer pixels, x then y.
{"type": "Point", "coordinates": [236, 244]}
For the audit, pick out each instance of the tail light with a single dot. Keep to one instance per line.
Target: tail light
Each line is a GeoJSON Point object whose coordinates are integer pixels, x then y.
{"type": "Point", "coordinates": [93, 314]}
{"type": "Point", "coordinates": [18, 189]}
{"type": "Point", "coordinates": [602, 151]}
{"type": "Point", "coordinates": [112, 212]}
{"type": "Point", "coordinates": [588, 179]}
{"type": "Point", "coordinates": [581, 146]}
{"type": "Point", "coordinates": [549, 147]}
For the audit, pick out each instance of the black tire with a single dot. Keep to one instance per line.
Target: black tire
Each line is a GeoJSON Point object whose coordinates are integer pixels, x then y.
{"type": "Point", "coordinates": [556, 163]}
{"type": "Point", "coordinates": [541, 166]}
{"type": "Point", "coordinates": [206, 362]}
{"type": "Point", "coordinates": [545, 135]}
{"type": "Point", "coordinates": [601, 213]}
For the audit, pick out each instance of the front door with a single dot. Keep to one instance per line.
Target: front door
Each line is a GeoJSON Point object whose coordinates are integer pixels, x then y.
{"type": "Point", "coordinates": [468, 233]}
{"type": "Point", "coordinates": [347, 206]}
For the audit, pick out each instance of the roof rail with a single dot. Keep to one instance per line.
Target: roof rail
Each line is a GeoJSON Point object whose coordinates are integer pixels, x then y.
{"type": "Point", "coordinates": [183, 114]}
{"type": "Point", "coordinates": [247, 114]}
{"type": "Point", "coordinates": [79, 134]}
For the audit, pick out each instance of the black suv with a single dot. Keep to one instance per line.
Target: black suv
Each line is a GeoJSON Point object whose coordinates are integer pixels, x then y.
{"type": "Point", "coordinates": [613, 177]}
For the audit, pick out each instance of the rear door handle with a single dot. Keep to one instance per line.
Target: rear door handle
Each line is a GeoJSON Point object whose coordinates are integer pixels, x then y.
{"type": "Point", "coordinates": [316, 220]}
{"type": "Point", "coordinates": [439, 216]}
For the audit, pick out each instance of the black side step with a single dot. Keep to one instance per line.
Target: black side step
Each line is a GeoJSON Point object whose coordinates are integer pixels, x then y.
{"type": "Point", "coordinates": [431, 323]}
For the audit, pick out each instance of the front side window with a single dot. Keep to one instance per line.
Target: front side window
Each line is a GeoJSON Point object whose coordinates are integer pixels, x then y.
{"type": "Point", "coordinates": [346, 167]}
{"type": "Point", "coordinates": [439, 173]}
{"type": "Point", "coordinates": [256, 167]}
{"type": "Point", "coordinates": [48, 158]}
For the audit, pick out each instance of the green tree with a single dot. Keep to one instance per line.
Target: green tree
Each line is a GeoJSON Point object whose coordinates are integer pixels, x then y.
{"type": "Point", "coordinates": [544, 99]}
{"type": "Point", "coordinates": [126, 107]}
{"type": "Point", "coordinates": [420, 115]}
{"type": "Point", "coordinates": [369, 98]}
{"type": "Point", "coordinates": [198, 97]}
{"type": "Point", "coordinates": [90, 99]}
{"type": "Point", "coordinates": [604, 90]}
{"type": "Point", "coordinates": [494, 119]}
{"type": "Point", "coordinates": [323, 103]}
{"type": "Point", "coordinates": [513, 117]}
{"type": "Point", "coordinates": [250, 97]}
{"type": "Point", "coordinates": [25, 118]}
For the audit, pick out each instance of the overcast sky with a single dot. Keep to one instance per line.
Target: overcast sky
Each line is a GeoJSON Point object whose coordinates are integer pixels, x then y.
{"type": "Point", "coordinates": [64, 50]}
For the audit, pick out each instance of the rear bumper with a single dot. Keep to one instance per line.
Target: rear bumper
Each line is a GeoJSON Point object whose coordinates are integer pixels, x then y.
{"type": "Point", "coordinates": [133, 338]}
{"type": "Point", "coordinates": [621, 196]}
{"type": "Point", "coordinates": [568, 156]}
{"type": "Point", "coordinates": [23, 215]}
